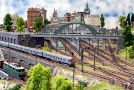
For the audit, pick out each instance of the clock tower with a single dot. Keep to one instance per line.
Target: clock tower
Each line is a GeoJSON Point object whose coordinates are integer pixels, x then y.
{"type": "Point", "coordinates": [87, 10]}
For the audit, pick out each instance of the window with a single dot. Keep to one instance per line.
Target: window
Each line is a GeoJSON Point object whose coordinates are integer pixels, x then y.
{"type": "Point", "coordinates": [33, 14]}
{"type": "Point", "coordinates": [22, 70]}
{"type": "Point", "coordinates": [18, 70]}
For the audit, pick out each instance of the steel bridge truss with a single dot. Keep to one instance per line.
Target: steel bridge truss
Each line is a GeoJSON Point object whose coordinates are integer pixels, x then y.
{"type": "Point", "coordinates": [77, 29]}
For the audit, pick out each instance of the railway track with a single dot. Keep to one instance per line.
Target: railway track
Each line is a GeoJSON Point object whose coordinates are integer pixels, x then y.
{"type": "Point", "coordinates": [15, 79]}
{"type": "Point", "coordinates": [99, 76]}
{"type": "Point", "coordinates": [122, 75]}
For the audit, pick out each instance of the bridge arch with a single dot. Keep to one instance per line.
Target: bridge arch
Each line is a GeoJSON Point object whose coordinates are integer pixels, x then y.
{"type": "Point", "coordinates": [23, 42]}
{"type": "Point", "coordinates": [31, 43]}
{"type": "Point", "coordinates": [75, 29]}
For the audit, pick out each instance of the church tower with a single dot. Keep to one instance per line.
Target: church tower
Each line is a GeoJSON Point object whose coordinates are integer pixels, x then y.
{"type": "Point", "coordinates": [86, 10]}
{"type": "Point", "coordinates": [54, 13]}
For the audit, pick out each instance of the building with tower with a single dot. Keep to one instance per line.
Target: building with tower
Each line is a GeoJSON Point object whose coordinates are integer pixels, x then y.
{"type": "Point", "coordinates": [79, 17]}
{"type": "Point", "coordinates": [86, 10]}
{"type": "Point", "coordinates": [14, 18]}
{"type": "Point", "coordinates": [43, 14]}
{"type": "Point", "coordinates": [33, 13]}
{"type": "Point", "coordinates": [91, 19]}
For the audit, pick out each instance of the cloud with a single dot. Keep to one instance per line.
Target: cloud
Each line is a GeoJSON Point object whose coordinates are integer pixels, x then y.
{"type": "Point", "coordinates": [111, 9]}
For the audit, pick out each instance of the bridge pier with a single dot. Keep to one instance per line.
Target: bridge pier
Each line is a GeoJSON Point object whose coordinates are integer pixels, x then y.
{"type": "Point", "coordinates": [117, 46]}
{"type": "Point", "coordinates": [104, 44]}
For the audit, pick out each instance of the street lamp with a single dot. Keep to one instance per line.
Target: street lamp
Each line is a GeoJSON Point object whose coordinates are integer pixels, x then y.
{"type": "Point", "coordinates": [13, 29]}
{"type": "Point", "coordinates": [9, 52]}
{"type": "Point", "coordinates": [126, 53]}
{"type": "Point", "coordinates": [79, 47]}
{"type": "Point", "coordinates": [73, 67]}
{"type": "Point", "coordinates": [94, 56]}
{"type": "Point", "coordinates": [36, 58]}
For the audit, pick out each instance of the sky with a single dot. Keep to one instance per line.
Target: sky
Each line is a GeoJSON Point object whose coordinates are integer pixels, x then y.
{"type": "Point", "coordinates": [111, 9]}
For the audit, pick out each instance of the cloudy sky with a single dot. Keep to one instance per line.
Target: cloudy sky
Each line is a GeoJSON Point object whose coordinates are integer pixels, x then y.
{"type": "Point", "coordinates": [111, 9]}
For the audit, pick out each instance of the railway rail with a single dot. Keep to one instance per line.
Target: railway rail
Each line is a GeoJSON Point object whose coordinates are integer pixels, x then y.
{"type": "Point", "coordinates": [14, 78]}
{"type": "Point", "coordinates": [107, 78]}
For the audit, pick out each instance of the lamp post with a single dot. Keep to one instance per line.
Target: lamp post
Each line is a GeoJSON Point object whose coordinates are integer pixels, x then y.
{"type": "Point", "coordinates": [65, 44]}
{"type": "Point", "coordinates": [73, 68]}
{"type": "Point", "coordinates": [36, 58]}
{"type": "Point", "coordinates": [13, 29]}
{"type": "Point", "coordinates": [56, 44]}
{"type": "Point", "coordinates": [94, 57]}
{"type": "Point", "coordinates": [82, 50]}
{"type": "Point", "coordinates": [79, 47]}
{"type": "Point", "coordinates": [126, 53]}
{"type": "Point", "coordinates": [9, 52]}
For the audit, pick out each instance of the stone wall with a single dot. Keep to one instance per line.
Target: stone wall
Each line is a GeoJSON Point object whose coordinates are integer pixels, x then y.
{"type": "Point", "coordinates": [69, 75]}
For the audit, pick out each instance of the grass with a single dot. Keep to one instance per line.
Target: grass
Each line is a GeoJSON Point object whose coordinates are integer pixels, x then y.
{"type": "Point", "coordinates": [86, 77]}
{"type": "Point", "coordinates": [100, 47]}
{"type": "Point", "coordinates": [62, 50]}
{"type": "Point", "coordinates": [107, 67]}
{"type": "Point", "coordinates": [12, 82]}
{"type": "Point", "coordinates": [58, 67]}
{"type": "Point", "coordinates": [122, 53]}
{"type": "Point", "coordinates": [105, 86]}
{"type": "Point", "coordinates": [84, 67]}
{"type": "Point", "coordinates": [86, 53]}
{"type": "Point", "coordinates": [132, 29]}
{"type": "Point", "coordinates": [2, 82]}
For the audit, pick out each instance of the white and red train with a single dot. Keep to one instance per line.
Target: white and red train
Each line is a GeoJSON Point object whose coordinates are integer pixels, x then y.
{"type": "Point", "coordinates": [48, 55]}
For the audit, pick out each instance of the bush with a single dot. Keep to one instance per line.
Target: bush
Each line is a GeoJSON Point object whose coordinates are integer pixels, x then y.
{"type": "Point", "coordinates": [131, 52]}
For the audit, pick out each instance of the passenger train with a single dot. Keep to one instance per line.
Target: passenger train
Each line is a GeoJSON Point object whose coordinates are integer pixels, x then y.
{"type": "Point", "coordinates": [48, 55]}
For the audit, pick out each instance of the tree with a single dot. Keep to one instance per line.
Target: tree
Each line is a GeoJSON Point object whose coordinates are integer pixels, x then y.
{"type": "Point", "coordinates": [37, 24]}
{"type": "Point", "coordinates": [46, 22]}
{"type": "Point", "coordinates": [40, 78]}
{"type": "Point", "coordinates": [46, 48]}
{"type": "Point", "coordinates": [132, 17]}
{"type": "Point", "coordinates": [7, 22]}
{"type": "Point", "coordinates": [131, 51]}
{"type": "Point", "coordinates": [16, 87]}
{"type": "Point", "coordinates": [102, 21]}
{"type": "Point", "coordinates": [62, 83]}
{"type": "Point", "coordinates": [127, 36]}
{"type": "Point", "coordinates": [122, 21]}
{"type": "Point", "coordinates": [20, 24]}
{"type": "Point", "coordinates": [128, 19]}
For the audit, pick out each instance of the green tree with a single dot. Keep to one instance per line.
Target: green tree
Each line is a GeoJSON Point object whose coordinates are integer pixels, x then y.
{"type": "Point", "coordinates": [37, 24]}
{"type": "Point", "coordinates": [62, 83]}
{"type": "Point", "coordinates": [40, 78]}
{"type": "Point", "coordinates": [131, 51]}
{"type": "Point", "coordinates": [7, 22]}
{"type": "Point", "coordinates": [20, 24]}
{"type": "Point", "coordinates": [127, 36]}
{"type": "Point", "coordinates": [122, 21]}
{"type": "Point", "coordinates": [46, 48]}
{"type": "Point", "coordinates": [46, 22]}
{"type": "Point", "coordinates": [132, 17]}
{"type": "Point", "coordinates": [102, 21]}
{"type": "Point", "coordinates": [16, 87]}
{"type": "Point", "coordinates": [79, 87]}
{"type": "Point", "coordinates": [128, 19]}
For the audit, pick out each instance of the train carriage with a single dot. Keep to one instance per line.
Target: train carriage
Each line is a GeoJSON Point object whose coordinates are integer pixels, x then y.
{"type": "Point", "coordinates": [47, 55]}
{"type": "Point", "coordinates": [37, 52]}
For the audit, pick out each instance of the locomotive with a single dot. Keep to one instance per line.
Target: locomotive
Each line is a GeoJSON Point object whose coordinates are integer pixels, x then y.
{"type": "Point", "coordinates": [14, 69]}
{"type": "Point", "coordinates": [48, 55]}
